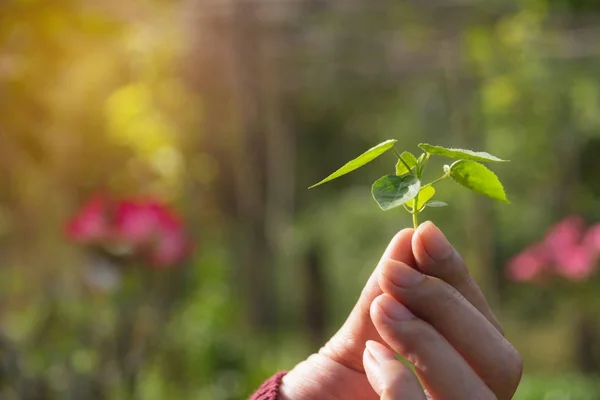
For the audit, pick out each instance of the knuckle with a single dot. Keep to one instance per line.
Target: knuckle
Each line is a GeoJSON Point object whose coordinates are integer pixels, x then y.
{"type": "Point", "coordinates": [446, 295]}
{"type": "Point", "coordinates": [452, 296]}
{"type": "Point", "coordinates": [436, 295]}
{"type": "Point", "coordinates": [457, 271]}
{"type": "Point", "coordinates": [416, 335]}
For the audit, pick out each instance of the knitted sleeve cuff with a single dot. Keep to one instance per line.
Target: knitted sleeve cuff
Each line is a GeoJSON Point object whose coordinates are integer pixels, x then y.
{"type": "Point", "coordinates": [269, 390]}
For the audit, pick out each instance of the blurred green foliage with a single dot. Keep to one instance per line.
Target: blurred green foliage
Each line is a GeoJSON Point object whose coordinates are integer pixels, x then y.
{"type": "Point", "coordinates": [229, 111]}
{"type": "Point", "coordinates": [558, 387]}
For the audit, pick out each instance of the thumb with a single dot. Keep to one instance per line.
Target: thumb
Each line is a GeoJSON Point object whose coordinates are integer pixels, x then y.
{"type": "Point", "coordinates": [391, 379]}
{"type": "Point", "coordinates": [348, 344]}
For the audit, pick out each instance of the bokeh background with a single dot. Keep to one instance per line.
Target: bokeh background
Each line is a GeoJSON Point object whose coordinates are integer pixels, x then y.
{"type": "Point", "coordinates": [222, 113]}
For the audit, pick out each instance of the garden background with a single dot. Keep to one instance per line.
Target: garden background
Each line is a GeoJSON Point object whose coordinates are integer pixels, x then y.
{"type": "Point", "coordinates": [213, 117]}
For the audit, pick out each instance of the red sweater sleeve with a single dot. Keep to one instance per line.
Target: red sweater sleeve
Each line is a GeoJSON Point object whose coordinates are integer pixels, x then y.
{"type": "Point", "coordinates": [270, 389]}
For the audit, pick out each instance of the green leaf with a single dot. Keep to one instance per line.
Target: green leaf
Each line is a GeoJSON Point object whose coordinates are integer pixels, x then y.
{"type": "Point", "coordinates": [409, 159]}
{"type": "Point", "coordinates": [425, 195]}
{"type": "Point", "coordinates": [359, 161]}
{"type": "Point", "coordinates": [391, 191]}
{"type": "Point", "coordinates": [460, 154]}
{"type": "Point", "coordinates": [478, 178]}
{"type": "Point", "coordinates": [436, 204]}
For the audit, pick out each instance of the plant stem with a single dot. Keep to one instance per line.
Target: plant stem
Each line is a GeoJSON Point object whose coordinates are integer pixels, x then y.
{"type": "Point", "coordinates": [401, 160]}
{"type": "Point", "coordinates": [415, 219]}
{"type": "Point", "coordinates": [438, 179]}
{"type": "Point", "coordinates": [423, 164]}
{"type": "Point", "coordinates": [415, 213]}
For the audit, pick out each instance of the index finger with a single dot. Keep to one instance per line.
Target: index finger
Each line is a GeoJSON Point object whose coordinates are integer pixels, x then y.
{"type": "Point", "coordinates": [435, 256]}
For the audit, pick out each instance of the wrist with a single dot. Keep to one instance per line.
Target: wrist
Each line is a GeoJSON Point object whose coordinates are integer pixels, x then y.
{"type": "Point", "coordinates": [319, 377]}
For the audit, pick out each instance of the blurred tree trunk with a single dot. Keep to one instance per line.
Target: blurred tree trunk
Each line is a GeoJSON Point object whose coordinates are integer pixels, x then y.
{"type": "Point", "coordinates": [250, 162]}
{"type": "Point", "coordinates": [567, 150]}
{"type": "Point", "coordinates": [234, 62]}
{"type": "Point", "coordinates": [587, 345]}
{"type": "Point", "coordinates": [315, 296]}
{"type": "Point", "coordinates": [280, 148]}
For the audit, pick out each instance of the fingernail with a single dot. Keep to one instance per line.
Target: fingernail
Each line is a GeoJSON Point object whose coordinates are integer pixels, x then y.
{"type": "Point", "coordinates": [373, 367]}
{"type": "Point", "coordinates": [401, 274]}
{"type": "Point", "coordinates": [394, 310]}
{"type": "Point", "coordinates": [379, 352]}
{"type": "Point", "coordinates": [435, 242]}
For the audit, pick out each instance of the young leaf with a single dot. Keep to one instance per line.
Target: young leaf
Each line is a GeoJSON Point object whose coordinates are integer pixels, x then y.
{"type": "Point", "coordinates": [461, 154]}
{"type": "Point", "coordinates": [478, 178]}
{"type": "Point", "coordinates": [359, 161]}
{"type": "Point", "coordinates": [425, 195]}
{"type": "Point", "coordinates": [409, 159]}
{"type": "Point", "coordinates": [436, 204]}
{"type": "Point", "coordinates": [391, 191]}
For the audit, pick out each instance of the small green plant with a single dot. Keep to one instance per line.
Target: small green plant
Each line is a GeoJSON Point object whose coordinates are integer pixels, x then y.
{"type": "Point", "coordinates": [404, 188]}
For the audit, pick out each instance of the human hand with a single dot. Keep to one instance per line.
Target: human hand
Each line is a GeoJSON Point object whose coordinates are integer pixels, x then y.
{"type": "Point", "coordinates": [447, 330]}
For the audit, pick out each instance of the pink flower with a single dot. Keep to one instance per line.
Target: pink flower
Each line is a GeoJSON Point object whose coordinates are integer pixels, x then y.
{"type": "Point", "coordinates": [171, 245]}
{"type": "Point", "coordinates": [564, 235]}
{"type": "Point", "coordinates": [529, 265]}
{"type": "Point", "coordinates": [577, 263]}
{"type": "Point", "coordinates": [146, 228]}
{"type": "Point", "coordinates": [565, 251]}
{"type": "Point", "coordinates": [592, 238]}
{"type": "Point", "coordinates": [154, 230]}
{"type": "Point", "coordinates": [136, 222]}
{"type": "Point", "coordinates": [90, 224]}
{"type": "Point", "coordinates": [170, 249]}
{"type": "Point", "coordinates": [575, 259]}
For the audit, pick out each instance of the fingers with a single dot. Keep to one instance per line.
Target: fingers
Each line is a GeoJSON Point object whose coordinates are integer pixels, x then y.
{"type": "Point", "coordinates": [400, 249]}
{"type": "Point", "coordinates": [435, 256]}
{"type": "Point", "coordinates": [444, 372]}
{"type": "Point", "coordinates": [458, 321]}
{"type": "Point", "coordinates": [391, 379]}
{"type": "Point", "coordinates": [347, 345]}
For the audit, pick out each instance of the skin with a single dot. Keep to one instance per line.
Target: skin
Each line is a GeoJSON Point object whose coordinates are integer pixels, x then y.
{"type": "Point", "coordinates": [420, 302]}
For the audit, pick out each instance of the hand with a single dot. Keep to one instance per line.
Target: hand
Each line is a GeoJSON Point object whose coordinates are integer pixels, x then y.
{"type": "Point", "coordinates": [421, 302]}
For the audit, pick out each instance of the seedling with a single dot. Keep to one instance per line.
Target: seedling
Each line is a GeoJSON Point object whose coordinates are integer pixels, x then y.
{"type": "Point", "coordinates": [404, 188]}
